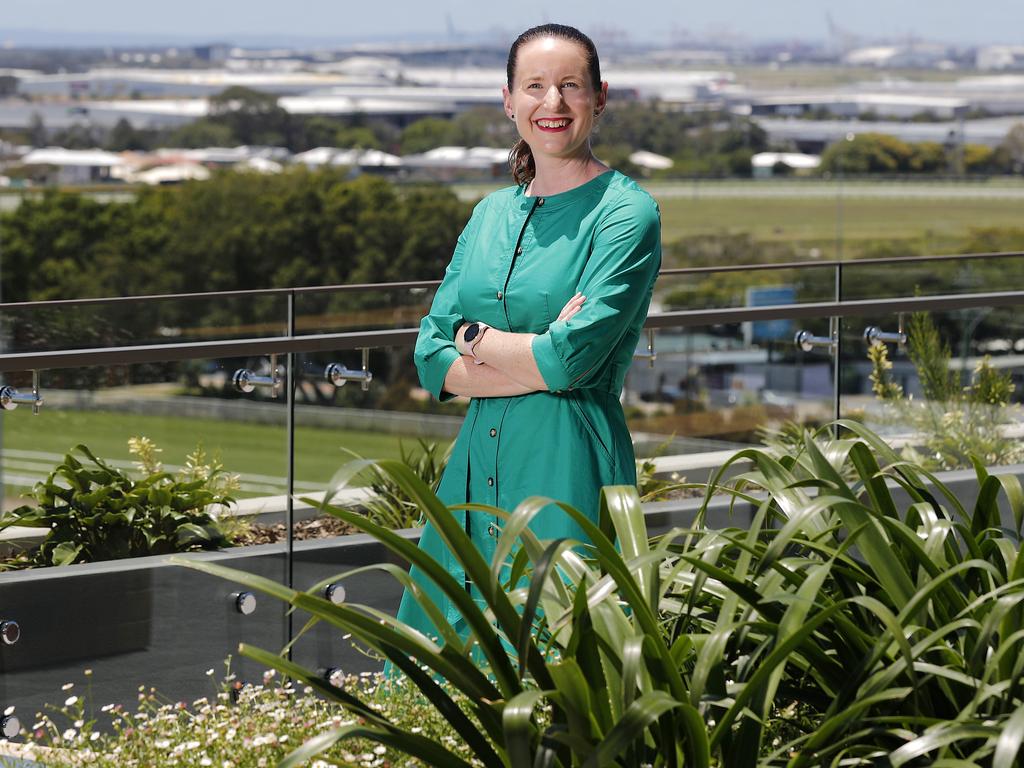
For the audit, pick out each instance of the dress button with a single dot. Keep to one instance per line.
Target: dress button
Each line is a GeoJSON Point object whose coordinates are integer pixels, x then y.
{"type": "Point", "coordinates": [490, 481]}
{"type": "Point", "coordinates": [491, 530]}
{"type": "Point", "coordinates": [494, 432]}
{"type": "Point", "coordinates": [519, 251]}
{"type": "Point", "coordinates": [500, 295]}
{"type": "Point", "coordinates": [540, 202]}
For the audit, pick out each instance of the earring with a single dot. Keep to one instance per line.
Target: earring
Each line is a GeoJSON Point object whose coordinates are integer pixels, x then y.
{"type": "Point", "coordinates": [597, 113]}
{"type": "Point", "coordinates": [512, 116]}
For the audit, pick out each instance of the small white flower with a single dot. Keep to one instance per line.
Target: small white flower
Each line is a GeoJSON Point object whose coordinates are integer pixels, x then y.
{"type": "Point", "coordinates": [70, 701]}
{"type": "Point", "coordinates": [67, 686]}
{"type": "Point", "coordinates": [94, 735]}
{"type": "Point", "coordinates": [69, 734]}
{"type": "Point", "coordinates": [206, 761]}
{"type": "Point", "coordinates": [9, 711]}
{"type": "Point", "coordinates": [380, 750]}
{"type": "Point", "coordinates": [209, 673]}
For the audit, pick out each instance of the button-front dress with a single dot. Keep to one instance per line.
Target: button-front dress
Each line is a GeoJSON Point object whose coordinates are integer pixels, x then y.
{"type": "Point", "coordinates": [516, 264]}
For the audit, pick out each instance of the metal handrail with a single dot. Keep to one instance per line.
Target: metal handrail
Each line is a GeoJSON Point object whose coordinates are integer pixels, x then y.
{"type": "Point", "coordinates": [424, 284]}
{"type": "Point", "coordinates": [155, 353]}
{"type": "Point", "coordinates": [832, 263]}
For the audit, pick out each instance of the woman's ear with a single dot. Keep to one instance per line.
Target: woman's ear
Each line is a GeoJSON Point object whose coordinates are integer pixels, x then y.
{"type": "Point", "coordinates": [602, 98]}
{"type": "Point", "coordinates": [506, 98]}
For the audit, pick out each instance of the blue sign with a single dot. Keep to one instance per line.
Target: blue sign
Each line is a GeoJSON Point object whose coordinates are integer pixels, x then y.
{"type": "Point", "coordinates": [769, 296]}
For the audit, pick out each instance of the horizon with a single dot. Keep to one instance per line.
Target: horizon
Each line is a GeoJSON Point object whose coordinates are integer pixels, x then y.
{"type": "Point", "coordinates": [30, 23]}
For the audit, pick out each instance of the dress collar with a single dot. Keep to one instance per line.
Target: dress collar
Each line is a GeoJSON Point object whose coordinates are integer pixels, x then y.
{"type": "Point", "coordinates": [595, 186]}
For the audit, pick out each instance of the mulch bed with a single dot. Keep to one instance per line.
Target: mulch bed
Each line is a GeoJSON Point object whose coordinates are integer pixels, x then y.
{"type": "Point", "coordinates": [314, 528]}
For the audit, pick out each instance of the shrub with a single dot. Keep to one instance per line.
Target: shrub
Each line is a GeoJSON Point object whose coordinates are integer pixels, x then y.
{"type": "Point", "coordinates": [93, 511]}
{"type": "Point", "coordinates": [842, 626]}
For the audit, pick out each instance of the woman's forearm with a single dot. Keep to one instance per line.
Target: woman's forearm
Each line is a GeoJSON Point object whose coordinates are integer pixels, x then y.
{"type": "Point", "coordinates": [512, 355]}
{"type": "Point", "coordinates": [466, 378]}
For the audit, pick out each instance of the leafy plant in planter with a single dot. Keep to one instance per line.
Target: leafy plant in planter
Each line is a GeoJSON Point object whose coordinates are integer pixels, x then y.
{"type": "Point", "coordinates": [891, 628]}
{"type": "Point", "coordinates": [953, 422]}
{"type": "Point", "coordinates": [93, 511]}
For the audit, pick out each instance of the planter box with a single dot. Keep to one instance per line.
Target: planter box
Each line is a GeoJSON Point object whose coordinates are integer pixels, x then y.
{"type": "Point", "coordinates": [66, 616]}
{"type": "Point", "coordinates": [144, 622]}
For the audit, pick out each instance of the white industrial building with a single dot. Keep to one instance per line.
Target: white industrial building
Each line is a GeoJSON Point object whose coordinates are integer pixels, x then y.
{"type": "Point", "coordinates": [1000, 57]}
{"type": "Point", "coordinates": [75, 166]}
{"type": "Point", "coordinates": [814, 135]}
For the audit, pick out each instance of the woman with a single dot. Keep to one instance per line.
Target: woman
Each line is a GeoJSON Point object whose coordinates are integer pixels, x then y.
{"type": "Point", "coordinates": [540, 311]}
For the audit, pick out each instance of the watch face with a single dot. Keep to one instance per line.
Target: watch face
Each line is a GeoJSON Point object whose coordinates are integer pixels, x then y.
{"type": "Point", "coordinates": [471, 331]}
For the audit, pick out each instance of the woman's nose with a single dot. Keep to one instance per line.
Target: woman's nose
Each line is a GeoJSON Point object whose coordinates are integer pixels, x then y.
{"type": "Point", "coordinates": [553, 98]}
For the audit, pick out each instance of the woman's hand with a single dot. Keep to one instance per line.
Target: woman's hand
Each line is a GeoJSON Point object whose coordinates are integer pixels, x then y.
{"type": "Point", "coordinates": [571, 307]}
{"type": "Point", "coordinates": [460, 340]}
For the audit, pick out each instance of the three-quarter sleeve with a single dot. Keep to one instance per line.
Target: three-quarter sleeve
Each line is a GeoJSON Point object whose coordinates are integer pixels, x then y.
{"type": "Point", "coordinates": [435, 346]}
{"type": "Point", "coordinates": [617, 284]}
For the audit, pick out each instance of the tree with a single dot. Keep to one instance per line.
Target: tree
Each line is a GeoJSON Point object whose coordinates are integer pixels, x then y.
{"type": "Point", "coordinates": [427, 133]}
{"type": "Point", "coordinates": [1010, 153]}
{"type": "Point", "coordinates": [867, 153]}
{"type": "Point", "coordinates": [254, 117]}
{"type": "Point", "coordinates": [123, 136]}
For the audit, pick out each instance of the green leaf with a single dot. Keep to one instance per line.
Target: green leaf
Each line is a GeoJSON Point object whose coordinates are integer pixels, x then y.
{"type": "Point", "coordinates": [641, 713]}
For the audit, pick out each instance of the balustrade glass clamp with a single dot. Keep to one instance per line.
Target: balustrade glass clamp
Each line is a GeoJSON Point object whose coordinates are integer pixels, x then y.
{"type": "Point", "coordinates": [339, 375]}
{"type": "Point", "coordinates": [334, 676]}
{"type": "Point", "coordinates": [875, 335]}
{"type": "Point", "coordinates": [10, 398]}
{"type": "Point", "coordinates": [10, 632]}
{"type": "Point", "coordinates": [650, 356]}
{"type": "Point", "coordinates": [244, 602]}
{"type": "Point", "coordinates": [807, 341]}
{"type": "Point", "coordinates": [334, 593]}
{"type": "Point", "coordinates": [246, 381]}
{"type": "Point", "coordinates": [10, 726]}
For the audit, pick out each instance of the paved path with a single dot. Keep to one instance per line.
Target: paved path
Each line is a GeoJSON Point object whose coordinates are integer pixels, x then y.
{"type": "Point", "coordinates": [997, 190]}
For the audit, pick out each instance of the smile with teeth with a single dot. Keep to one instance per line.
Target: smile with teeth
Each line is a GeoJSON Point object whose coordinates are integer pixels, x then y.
{"type": "Point", "coordinates": [553, 123]}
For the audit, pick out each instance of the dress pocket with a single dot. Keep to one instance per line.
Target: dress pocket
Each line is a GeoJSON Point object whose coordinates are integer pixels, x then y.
{"type": "Point", "coordinates": [577, 408]}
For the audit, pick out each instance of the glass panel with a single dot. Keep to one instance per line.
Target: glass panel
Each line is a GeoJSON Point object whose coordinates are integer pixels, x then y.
{"type": "Point", "coordinates": [930, 277]}
{"type": "Point", "coordinates": [137, 620]}
{"type": "Point", "coordinates": [952, 391]}
{"type": "Point", "coordinates": [745, 288]}
{"type": "Point", "coordinates": [362, 308]}
{"type": "Point", "coordinates": [392, 416]}
{"type": "Point", "coordinates": [715, 389]}
{"type": "Point", "coordinates": [134, 322]}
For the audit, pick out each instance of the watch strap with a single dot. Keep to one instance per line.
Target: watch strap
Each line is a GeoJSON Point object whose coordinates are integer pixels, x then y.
{"type": "Point", "coordinates": [476, 340]}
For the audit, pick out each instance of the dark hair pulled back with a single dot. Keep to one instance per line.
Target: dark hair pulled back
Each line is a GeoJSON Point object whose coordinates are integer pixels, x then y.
{"type": "Point", "coordinates": [520, 158]}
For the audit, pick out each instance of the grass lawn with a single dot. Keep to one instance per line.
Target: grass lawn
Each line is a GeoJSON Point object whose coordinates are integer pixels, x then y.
{"type": "Point", "coordinates": [930, 223]}
{"type": "Point", "coordinates": [244, 448]}
{"type": "Point", "coordinates": [930, 217]}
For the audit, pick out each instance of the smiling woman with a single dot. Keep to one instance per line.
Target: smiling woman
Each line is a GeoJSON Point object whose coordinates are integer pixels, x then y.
{"type": "Point", "coordinates": [554, 94]}
{"type": "Point", "coordinates": [538, 316]}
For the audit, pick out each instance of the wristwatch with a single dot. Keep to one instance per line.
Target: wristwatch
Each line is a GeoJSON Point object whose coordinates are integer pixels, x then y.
{"type": "Point", "coordinates": [475, 332]}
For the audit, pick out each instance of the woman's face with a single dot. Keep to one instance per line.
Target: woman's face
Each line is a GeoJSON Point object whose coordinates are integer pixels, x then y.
{"type": "Point", "coordinates": [552, 98]}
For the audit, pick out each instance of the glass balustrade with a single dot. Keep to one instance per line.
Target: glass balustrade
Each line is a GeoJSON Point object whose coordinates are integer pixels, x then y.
{"type": "Point", "coordinates": [282, 427]}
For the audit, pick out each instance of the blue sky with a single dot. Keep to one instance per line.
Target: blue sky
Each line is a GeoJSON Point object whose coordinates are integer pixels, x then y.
{"type": "Point", "coordinates": [978, 21]}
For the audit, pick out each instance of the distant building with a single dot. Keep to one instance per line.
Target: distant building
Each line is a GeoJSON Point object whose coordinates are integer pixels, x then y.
{"type": "Point", "coordinates": [1000, 57]}
{"type": "Point", "coordinates": [452, 163]}
{"type": "Point", "coordinates": [767, 164]}
{"type": "Point", "coordinates": [812, 136]}
{"type": "Point", "coordinates": [74, 166]}
{"type": "Point", "coordinates": [914, 55]}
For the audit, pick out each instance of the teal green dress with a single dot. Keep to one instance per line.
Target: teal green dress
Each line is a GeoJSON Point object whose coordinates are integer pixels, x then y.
{"type": "Point", "coordinates": [516, 264]}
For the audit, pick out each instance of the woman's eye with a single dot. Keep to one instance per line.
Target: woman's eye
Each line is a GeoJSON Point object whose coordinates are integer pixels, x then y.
{"type": "Point", "coordinates": [570, 85]}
